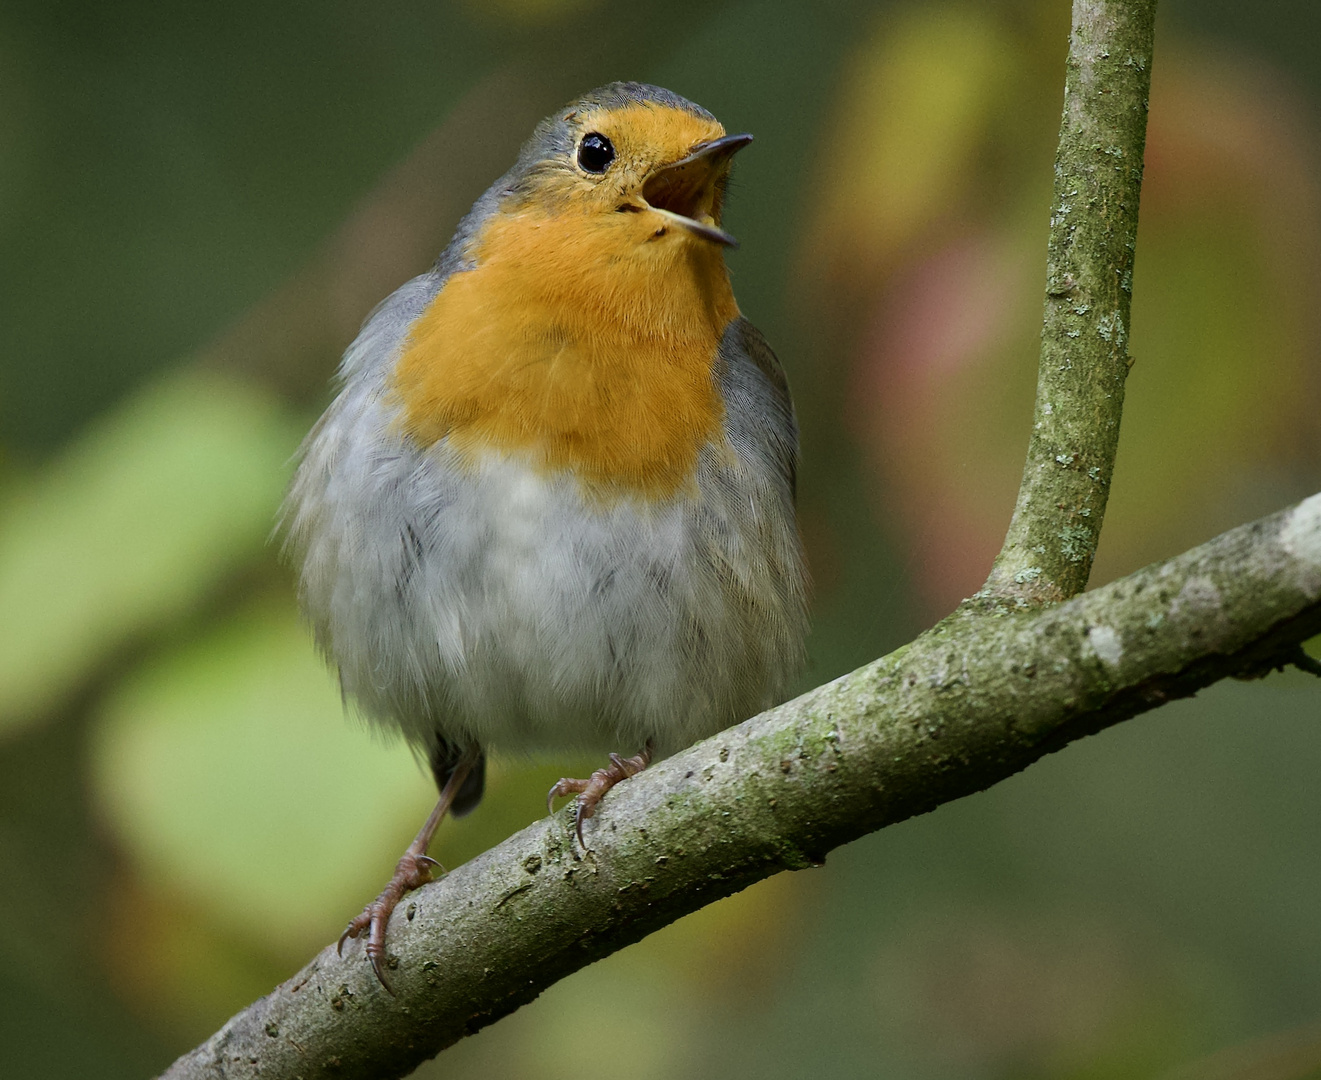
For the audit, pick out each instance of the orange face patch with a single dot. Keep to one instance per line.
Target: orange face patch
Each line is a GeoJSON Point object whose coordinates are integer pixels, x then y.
{"type": "Point", "coordinates": [583, 339]}
{"type": "Point", "coordinates": [644, 135]}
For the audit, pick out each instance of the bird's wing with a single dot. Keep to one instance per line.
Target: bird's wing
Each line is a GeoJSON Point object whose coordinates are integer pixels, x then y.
{"type": "Point", "coordinates": [759, 410]}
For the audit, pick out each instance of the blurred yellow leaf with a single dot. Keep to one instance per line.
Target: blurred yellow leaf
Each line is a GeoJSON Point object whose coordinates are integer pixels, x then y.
{"type": "Point", "coordinates": [142, 515]}
{"type": "Point", "coordinates": [910, 126]}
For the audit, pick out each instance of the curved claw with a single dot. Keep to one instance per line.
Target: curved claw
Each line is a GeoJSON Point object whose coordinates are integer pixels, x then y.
{"type": "Point", "coordinates": [561, 787]}
{"type": "Point", "coordinates": [378, 966]}
{"type": "Point", "coordinates": [412, 871]}
{"type": "Point", "coordinates": [591, 790]}
{"type": "Point", "coordinates": [356, 926]}
{"type": "Point", "coordinates": [373, 919]}
{"type": "Point", "coordinates": [585, 811]}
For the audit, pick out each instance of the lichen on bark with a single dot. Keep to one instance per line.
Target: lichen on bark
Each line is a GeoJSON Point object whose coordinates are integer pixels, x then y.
{"type": "Point", "coordinates": [1047, 554]}
{"type": "Point", "coordinates": [975, 699]}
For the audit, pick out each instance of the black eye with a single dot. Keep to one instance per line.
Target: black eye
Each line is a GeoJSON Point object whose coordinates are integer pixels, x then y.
{"type": "Point", "coordinates": [595, 152]}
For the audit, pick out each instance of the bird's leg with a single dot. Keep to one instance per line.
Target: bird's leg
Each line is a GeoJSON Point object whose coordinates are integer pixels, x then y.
{"type": "Point", "coordinates": [411, 871]}
{"type": "Point", "coordinates": [591, 790]}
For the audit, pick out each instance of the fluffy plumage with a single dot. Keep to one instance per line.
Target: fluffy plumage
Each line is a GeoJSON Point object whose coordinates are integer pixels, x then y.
{"type": "Point", "coordinates": [554, 509]}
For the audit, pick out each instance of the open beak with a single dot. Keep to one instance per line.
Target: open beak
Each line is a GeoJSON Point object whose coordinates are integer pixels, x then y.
{"type": "Point", "coordinates": [680, 190]}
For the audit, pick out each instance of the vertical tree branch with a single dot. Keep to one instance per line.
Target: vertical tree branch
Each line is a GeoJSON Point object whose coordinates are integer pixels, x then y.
{"type": "Point", "coordinates": [1047, 554]}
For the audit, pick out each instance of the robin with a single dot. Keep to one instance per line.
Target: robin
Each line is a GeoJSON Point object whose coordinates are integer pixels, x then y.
{"type": "Point", "coordinates": [552, 505]}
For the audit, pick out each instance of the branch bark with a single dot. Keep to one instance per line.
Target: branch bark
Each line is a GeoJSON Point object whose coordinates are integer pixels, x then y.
{"type": "Point", "coordinates": [970, 702]}
{"type": "Point", "coordinates": [1047, 554]}
{"type": "Point", "coordinates": [1007, 678]}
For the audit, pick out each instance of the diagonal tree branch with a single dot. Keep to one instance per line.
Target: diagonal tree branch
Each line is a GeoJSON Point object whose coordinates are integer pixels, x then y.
{"type": "Point", "coordinates": [1052, 538]}
{"type": "Point", "coordinates": [1001, 682]}
{"type": "Point", "coordinates": [970, 702]}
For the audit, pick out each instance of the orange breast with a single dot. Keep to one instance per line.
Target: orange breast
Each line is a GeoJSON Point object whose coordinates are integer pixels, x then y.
{"type": "Point", "coordinates": [580, 340]}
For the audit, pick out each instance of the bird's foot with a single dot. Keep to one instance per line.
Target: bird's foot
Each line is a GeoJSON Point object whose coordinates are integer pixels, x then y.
{"type": "Point", "coordinates": [593, 789]}
{"type": "Point", "coordinates": [412, 871]}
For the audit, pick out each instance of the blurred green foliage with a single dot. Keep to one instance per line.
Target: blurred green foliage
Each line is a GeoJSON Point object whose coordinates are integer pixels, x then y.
{"type": "Point", "coordinates": [229, 765]}
{"type": "Point", "coordinates": [185, 811]}
{"type": "Point", "coordinates": [131, 528]}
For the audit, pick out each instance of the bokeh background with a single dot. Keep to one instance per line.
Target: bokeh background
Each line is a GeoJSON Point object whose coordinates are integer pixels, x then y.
{"type": "Point", "coordinates": [199, 204]}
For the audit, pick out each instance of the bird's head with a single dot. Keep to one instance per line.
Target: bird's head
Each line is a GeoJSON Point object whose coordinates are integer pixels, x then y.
{"type": "Point", "coordinates": [645, 163]}
{"type": "Point", "coordinates": [585, 300]}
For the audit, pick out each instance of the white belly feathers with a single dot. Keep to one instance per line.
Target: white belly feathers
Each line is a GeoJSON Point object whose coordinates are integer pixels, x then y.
{"type": "Point", "coordinates": [487, 602]}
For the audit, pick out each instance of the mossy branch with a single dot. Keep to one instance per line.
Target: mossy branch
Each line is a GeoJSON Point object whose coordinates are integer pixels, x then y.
{"type": "Point", "coordinates": [977, 698]}
{"type": "Point", "coordinates": [1047, 555]}
{"type": "Point", "coordinates": [972, 701]}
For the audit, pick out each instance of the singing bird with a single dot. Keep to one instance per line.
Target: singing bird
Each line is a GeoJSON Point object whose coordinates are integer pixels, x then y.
{"type": "Point", "coordinates": [552, 505]}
